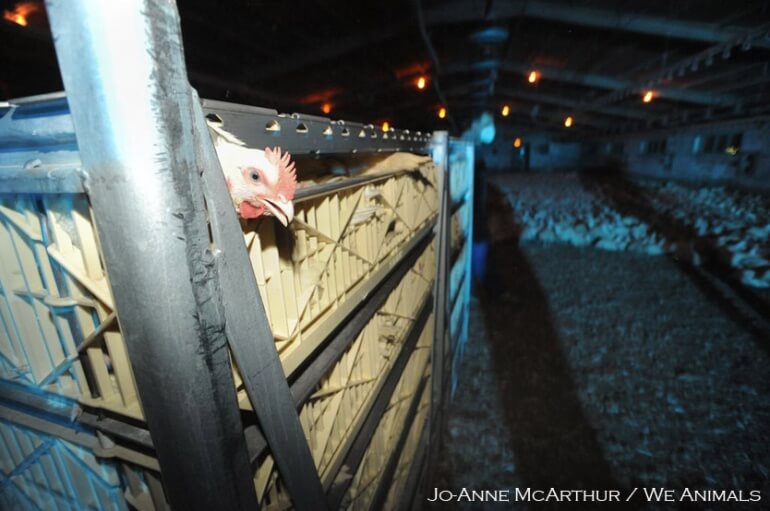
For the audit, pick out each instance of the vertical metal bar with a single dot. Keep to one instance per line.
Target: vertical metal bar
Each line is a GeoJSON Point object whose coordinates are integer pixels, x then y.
{"type": "Point", "coordinates": [440, 152]}
{"type": "Point", "coordinates": [251, 341]}
{"type": "Point", "coordinates": [465, 285]}
{"type": "Point", "coordinates": [123, 69]}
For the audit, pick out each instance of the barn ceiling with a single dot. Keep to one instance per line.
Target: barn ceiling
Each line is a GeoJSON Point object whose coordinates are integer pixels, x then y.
{"type": "Point", "coordinates": [702, 59]}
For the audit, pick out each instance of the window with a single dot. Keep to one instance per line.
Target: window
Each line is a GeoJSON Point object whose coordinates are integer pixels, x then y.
{"type": "Point", "coordinates": [613, 148]}
{"type": "Point", "coordinates": [729, 143]}
{"type": "Point", "coordinates": [657, 146]}
{"type": "Point", "coordinates": [734, 143]}
{"type": "Point", "coordinates": [543, 149]}
{"type": "Point", "coordinates": [697, 144]}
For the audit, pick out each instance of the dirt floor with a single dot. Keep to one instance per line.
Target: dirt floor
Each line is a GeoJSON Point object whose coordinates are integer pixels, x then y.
{"type": "Point", "coordinates": [593, 369]}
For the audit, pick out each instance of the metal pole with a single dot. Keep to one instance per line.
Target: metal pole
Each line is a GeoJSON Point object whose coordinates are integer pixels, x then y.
{"type": "Point", "coordinates": [123, 69]}
{"type": "Point", "coordinates": [440, 153]}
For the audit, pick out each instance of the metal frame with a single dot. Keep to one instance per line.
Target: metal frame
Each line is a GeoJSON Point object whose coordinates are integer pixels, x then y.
{"type": "Point", "coordinates": [178, 343]}
{"type": "Point", "coordinates": [133, 436]}
{"type": "Point", "coordinates": [250, 338]}
{"type": "Point", "coordinates": [440, 150]}
{"type": "Point", "coordinates": [51, 163]}
{"type": "Point", "coordinates": [309, 134]}
{"type": "Point", "coordinates": [443, 360]}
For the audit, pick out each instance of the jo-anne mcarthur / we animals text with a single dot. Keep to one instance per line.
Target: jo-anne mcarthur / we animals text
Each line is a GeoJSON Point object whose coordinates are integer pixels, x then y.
{"type": "Point", "coordinates": [562, 495]}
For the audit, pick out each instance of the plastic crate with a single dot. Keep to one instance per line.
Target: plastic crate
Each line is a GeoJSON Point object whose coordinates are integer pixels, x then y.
{"type": "Point", "coordinates": [407, 460]}
{"type": "Point", "coordinates": [391, 426]}
{"type": "Point", "coordinates": [58, 325]}
{"type": "Point", "coordinates": [347, 391]}
{"type": "Point", "coordinates": [41, 471]}
{"type": "Point", "coordinates": [338, 243]}
{"type": "Point", "coordinates": [339, 402]}
{"type": "Point", "coordinates": [59, 329]}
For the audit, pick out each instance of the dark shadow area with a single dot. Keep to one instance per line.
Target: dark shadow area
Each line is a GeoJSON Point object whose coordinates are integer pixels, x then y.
{"type": "Point", "coordinates": [553, 442]}
{"type": "Point", "coordinates": [716, 280]}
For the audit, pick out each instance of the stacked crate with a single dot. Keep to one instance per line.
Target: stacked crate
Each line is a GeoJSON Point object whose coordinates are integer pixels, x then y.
{"type": "Point", "coordinates": [60, 340]}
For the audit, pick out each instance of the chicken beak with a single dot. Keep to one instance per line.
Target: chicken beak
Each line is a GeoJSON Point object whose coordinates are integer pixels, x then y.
{"type": "Point", "coordinates": [283, 210]}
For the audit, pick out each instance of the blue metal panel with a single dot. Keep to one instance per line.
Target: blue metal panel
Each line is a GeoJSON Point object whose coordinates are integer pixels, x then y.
{"type": "Point", "coordinates": [461, 157]}
{"type": "Point", "coordinates": [43, 472]}
{"type": "Point", "coordinates": [41, 322]}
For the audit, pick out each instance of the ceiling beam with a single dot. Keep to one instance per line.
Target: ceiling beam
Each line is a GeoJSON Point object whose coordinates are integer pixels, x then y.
{"type": "Point", "coordinates": [595, 81]}
{"type": "Point", "coordinates": [478, 86]}
{"type": "Point", "coordinates": [462, 11]}
{"type": "Point", "coordinates": [608, 82]}
{"type": "Point", "coordinates": [522, 113]}
{"type": "Point", "coordinates": [555, 99]}
{"type": "Point", "coordinates": [691, 64]}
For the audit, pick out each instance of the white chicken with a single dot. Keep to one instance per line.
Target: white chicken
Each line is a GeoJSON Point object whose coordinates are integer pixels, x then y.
{"type": "Point", "coordinates": [260, 182]}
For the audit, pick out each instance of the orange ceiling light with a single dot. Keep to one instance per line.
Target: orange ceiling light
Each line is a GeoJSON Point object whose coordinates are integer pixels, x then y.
{"type": "Point", "coordinates": [442, 113]}
{"type": "Point", "coordinates": [385, 126]}
{"type": "Point", "coordinates": [326, 108]}
{"type": "Point", "coordinates": [505, 111]}
{"type": "Point", "coordinates": [648, 95]}
{"type": "Point", "coordinates": [533, 76]}
{"type": "Point", "coordinates": [568, 121]}
{"type": "Point", "coordinates": [422, 82]}
{"type": "Point", "coordinates": [320, 97]}
{"type": "Point", "coordinates": [413, 69]}
{"type": "Point", "coordinates": [517, 142]}
{"type": "Point", "coordinates": [21, 12]}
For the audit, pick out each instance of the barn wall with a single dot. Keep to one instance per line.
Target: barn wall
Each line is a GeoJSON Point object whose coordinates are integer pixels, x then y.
{"type": "Point", "coordinates": [685, 156]}
{"type": "Point", "coordinates": [548, 155]}
{"type": "Point", "coordinates": [696, 154]}
{"type": "Point", "coordinates": [545, 153]}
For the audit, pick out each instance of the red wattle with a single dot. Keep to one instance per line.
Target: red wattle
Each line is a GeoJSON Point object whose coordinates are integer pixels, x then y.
{"type": "Point", "coordinates": [246, 210]}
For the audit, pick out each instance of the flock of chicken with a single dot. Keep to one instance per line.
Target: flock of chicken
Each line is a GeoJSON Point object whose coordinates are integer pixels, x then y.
{"type": "Point", "coordinates": [731, 226]}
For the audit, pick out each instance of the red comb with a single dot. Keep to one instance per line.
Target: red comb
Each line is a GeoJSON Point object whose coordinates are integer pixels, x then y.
{"type": "Point", "coordinates": [287, 174]}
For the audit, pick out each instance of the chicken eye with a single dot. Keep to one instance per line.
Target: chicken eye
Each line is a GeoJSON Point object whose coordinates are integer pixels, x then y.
{"type": "Point", "coordinates": [254, 176]}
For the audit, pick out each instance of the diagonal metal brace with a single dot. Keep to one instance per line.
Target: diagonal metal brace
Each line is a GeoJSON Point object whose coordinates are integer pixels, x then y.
{"type": "Point", "coordinates": [249, 335]}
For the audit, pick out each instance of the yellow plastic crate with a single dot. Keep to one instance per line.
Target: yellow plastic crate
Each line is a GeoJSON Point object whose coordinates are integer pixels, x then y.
{"type": "Point", "coordinates": [364, 485]}
{"type": "Point", "coordinates": [58, 324]}
{"type": "Point", "coordinates": [346, 393]}
{"type": "Point", "coordinates": [44, 471]}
